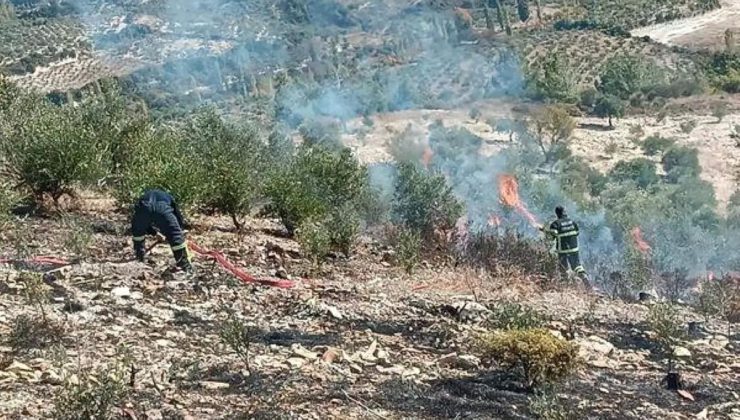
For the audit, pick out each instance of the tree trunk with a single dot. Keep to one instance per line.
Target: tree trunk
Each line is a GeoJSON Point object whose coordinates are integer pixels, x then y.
{"type": "Point", "coordinates": [610, 122]}
{"type": "Point", "coordinates": [539, 11]}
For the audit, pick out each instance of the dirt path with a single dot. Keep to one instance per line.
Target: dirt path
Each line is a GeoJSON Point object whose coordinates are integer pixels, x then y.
{"type": "Point", "coordinates": [703, 31]}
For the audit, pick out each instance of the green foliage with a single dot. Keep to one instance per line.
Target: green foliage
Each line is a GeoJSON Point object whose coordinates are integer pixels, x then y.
{"type": "Point", "coordinates": [315, 133]}
{"type": "Point", "coordinates": [721, 298]}
{"type": "Point", "coordinates": [553, 129]}
{"type": "Point", "coordinates": [663, 320]}
{"type": "Point", "coordinates": [315, 240]}
{"type": "Point", "coordinates": [723, 69]}
{"type": "Point", "coordinates": [609, 106]}
{"type": "Point", "coordinates": [536, 355]}
{"type": "Point", "coordinates": [554, 79]}
{"type": "Point", "coordinates": [424, 202]}
{"type": "Point", "coordinates": [656, 144]}
{"type": "Point", "coordinates": [238, 337]}
{"type": "Point", "coordinates": [313, 182]}
{"type": "Point", "coordinates": [688, 126]}
{"type": "Point", "coordinates": [626, 75]}
{"type": "Point", "coordinates": [406, 147]}
{"type": "Point", "coordinates": [588, 98]}
{"type": "Point", "coordinates": [79, 235]}
{"type": "Point", "coordinates": [91, 395]}
{"type": "Point", "coordinates": [231, 161]}
{"type": "Point", "coordinates": [49, 149]}
{"type": "Point", "coordinates": [641, 171]}
{"type": "Point", "coordinates": [8, 200]}
{"type": "Point", "coordinates": [513, 316]}
{"type": "Point", "coordinates": [681, 161]}
{"type": "Point", "coordinates": [546, 406]}
{"type": "Point", "coordinates": [344, 223]}
{"type": "Point", "coordinates": [159, 158]}
{"type": "Point", "coordinates": [408, 249]}
{"type": "Point", "coordinates": [32, 332]}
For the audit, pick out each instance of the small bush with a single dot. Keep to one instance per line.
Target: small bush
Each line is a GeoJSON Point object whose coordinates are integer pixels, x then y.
{"type": "Point", "coordinates": [720, 111]}
{"type": "Point", "coordinates": [313, 182]}
{"type": "Point", "coordinates": [681, 161]}
{"type": "Point", "coordinates": [641, 171]}
{"type": "Point", "coordinates": [327, 135]}
{"type": "Point", "coordinates": [546, 406]}
{"type": "Point", "coordinates": [688, 126]}
{"type": "Point", "coordinates": [491, 251]}
{"type": "Point", "coordinates": [9, 198]}
{"type": "Point", "coordinates": [656, 144]}
{"type": "Point", "coordinates": [408, 249]}
{"type": "Point", "coordinates": [315, 240]}
{"type": "Point", "coordinates": [344, 228]}
{"type": "Point", "coordinates": [79, 235]}
{"type": "Point", "coordinates": [49, 150]}
{"type": "Point", "coordinates": [536, 355]}
{"type": "Point", "coordinates": [424, 202]}
{"type": "Point", "coordinates": [406, 147]}
{"type": "Point", "coordinates": [91, 395]}
{"type": "Point", "coordinates": [667, 328]}
{"type": "Point", "coordinates": [235, 334]}
{"type": "Point", "coordinates": [231, 159]}
{"type": "Point", "coordinates": [513, 316]}
{"type": "Point", "coordinates": [159, 159]}
{"type": "Point", "coordinates": [721, 297]}
{"type": "Point", "coordinates": [33, 332]}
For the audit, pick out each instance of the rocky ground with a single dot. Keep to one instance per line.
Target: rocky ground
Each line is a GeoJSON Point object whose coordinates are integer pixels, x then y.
{"type": "Point", "coordinates": [354, 339]}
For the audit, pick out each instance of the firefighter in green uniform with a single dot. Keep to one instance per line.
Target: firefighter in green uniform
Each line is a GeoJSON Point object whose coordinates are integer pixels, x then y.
{"type": "Point", "coordinates": [565, 233]}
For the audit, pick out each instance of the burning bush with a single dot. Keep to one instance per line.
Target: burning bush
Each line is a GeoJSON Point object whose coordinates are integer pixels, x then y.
{"type": "Point", "coordinates": [536, 355]}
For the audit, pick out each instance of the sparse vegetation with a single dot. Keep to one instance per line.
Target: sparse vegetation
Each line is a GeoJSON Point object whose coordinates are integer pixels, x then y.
{"type": "Point", "coordinates": [513, 316]}
{"type": "Point", "coordinates": [91, 394]}
{"type": "Point", "coordinates": [237, 336]}
{"type": "Point", "coordinates": [535, 354]}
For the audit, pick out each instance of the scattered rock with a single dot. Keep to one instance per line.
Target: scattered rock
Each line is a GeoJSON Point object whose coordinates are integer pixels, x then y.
{"type": "Point", "coordinates": [470, 311]}
{"type": "Point", "coordinates": [453, 360]}
{"type": "Point", "coordinates": [330, 355]}
{"type": "Point", "coordinates": [679, 351]}
{"type": "Point", "coordinates": [296, 362]}
{"type": "Point", "coordinates": [301, 351]}
{"type": "Point", "coordinates": [334, 312]}
{"type": "Point", "coordinates": [595, 344]}
{"type": "Point", "coordinates": [18, 367]}
{"type": "Point", "coordinates": [719, 342]}
{"type": "Point", "coordinates": [121, 292]}
{"type": "Point", "coordinates": [52, 378]}
{"type": "Point", "coordinates": [213, 385]}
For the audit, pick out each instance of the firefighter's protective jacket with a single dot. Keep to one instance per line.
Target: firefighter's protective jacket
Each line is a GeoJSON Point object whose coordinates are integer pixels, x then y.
{"type": "Point", "coordinates": [565, 233]}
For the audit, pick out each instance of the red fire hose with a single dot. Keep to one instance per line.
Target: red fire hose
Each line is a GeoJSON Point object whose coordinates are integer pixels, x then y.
{"type": "Point", "coordinates": [236, 272]}
{"type": "Point", "coordinates": [37, 260]}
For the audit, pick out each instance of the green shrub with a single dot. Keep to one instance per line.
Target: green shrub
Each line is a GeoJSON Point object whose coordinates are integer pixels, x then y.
{"type": "Point", "coordinates": [408, 249]}
{"type": "Point", "coordinates": [327, 135]}
{"type": "Point", "coordinates": [625, 75]}
{"type": "Point", "coordinates": [235, 334]}
{"type": "Point", "coordinates": [49, 150]}
{"type": "Point", "coordinates": [32, 332]}
{"type": "Point", "coordinates": [424, 202]}
{"type": "Point", "coordinates": [312, 183]}
{"type": "Point", "coordinates": [688, 126]}
{"type": "Point", "coordinates": [679, 161]}
{"type": "Point", "coordinates": [315, 240]}
{"type": "Point", "coordinates": [513, 316]}
{"type": "Point", "coordinates": [91, 395]}
{"type": "Point", "coordinates": [554, 79]}
{"type": "Point", "coordinates": [609, 106]}
{"type": "Point", "coordinates": [641, 171]}
{"type": "Point", "coordinates": [664, 322]}
{"type": "Point", "coordinates": [231, 159]}
{"type": "Point", "coordinates": [9, 198]}
{"type": "Point", "coordinates": [344, 228]}
{"type": "Point", "coordinates": [406, 147]}
{"type": "Point", "coordinates": [656, 144]}
{"type": "Point", "coordinates": [536, 355]}
{"type": "Point", "coordinates": [79, 235]}
{"type": "Point", "coordinates": [160, 159]}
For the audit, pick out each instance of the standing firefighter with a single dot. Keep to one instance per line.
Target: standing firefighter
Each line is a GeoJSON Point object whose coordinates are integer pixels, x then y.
{"type": "Point", "coordinates": [565, 233]}
{"type": "Point", "coordinates": [156, 211]}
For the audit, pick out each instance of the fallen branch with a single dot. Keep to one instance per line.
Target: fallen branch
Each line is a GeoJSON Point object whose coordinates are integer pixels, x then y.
{"type": "Point", "coordinates": [361, 404]}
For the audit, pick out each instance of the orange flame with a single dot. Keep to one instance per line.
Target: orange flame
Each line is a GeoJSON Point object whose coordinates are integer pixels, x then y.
{"type": "Point", "coordinates": [426, 157]}
{"type": "Point", "coordinates": [640, 243]}
{"type": "Point", "coordinates": [508, 190]}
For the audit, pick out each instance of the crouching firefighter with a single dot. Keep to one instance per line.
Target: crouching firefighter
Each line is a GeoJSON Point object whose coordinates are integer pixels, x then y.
{"type": "Point", "coordinates": [156, 211]}
{"type": "Point", "coordinates": [565, 233]}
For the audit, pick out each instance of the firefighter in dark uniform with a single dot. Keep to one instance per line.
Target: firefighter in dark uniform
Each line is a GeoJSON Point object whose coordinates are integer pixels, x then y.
{"type": "Point", "coordinates": [156, 211]}
{"type": "Point", "coordinates": [565, 233]}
